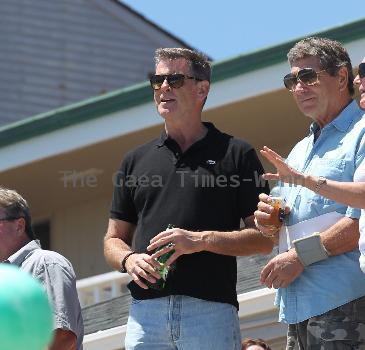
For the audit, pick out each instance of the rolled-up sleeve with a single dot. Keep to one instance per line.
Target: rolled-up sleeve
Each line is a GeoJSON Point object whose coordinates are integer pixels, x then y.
{"type": "Point", "coordinates": [59, 282]}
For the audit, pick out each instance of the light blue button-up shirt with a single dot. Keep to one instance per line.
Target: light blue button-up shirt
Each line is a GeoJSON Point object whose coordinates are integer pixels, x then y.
{"type": "Point", "coordinates": [336, 154]}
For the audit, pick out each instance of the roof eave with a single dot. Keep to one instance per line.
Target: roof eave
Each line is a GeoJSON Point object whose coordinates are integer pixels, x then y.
{"type": "Point", "coordinates": [140, 93]}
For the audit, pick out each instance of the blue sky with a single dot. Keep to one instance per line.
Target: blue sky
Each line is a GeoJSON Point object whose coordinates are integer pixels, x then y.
{"type": "Point", "coordinates": [223, 29]}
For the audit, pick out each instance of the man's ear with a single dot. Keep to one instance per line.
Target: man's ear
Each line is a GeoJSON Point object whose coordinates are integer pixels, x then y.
{"type": "Point", "coordinates": [20, 225]}
{"type": "Point", "coordinates": [203, 89]}
{"type": "Point", "coordinates": [343, 78]}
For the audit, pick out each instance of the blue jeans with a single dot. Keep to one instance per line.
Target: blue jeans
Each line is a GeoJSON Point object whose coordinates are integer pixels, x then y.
{"type": "Point", "coordinates": [178, 322]}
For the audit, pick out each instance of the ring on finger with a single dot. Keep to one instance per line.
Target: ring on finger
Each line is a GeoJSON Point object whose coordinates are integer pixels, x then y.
{"type": "Point", "coordinates": [171, 245]}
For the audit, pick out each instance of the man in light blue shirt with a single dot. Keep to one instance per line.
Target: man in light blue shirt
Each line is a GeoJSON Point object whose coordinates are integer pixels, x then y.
{"type": "Point", "coordinates": [321, 287]}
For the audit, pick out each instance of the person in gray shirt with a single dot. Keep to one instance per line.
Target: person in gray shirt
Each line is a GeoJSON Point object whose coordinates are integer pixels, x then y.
{"type": "Point", "coordinates": [19, 247]}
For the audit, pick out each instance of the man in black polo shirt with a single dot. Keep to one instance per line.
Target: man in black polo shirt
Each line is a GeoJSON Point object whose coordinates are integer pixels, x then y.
{"type": "Point", "coordinates": [202, 182]}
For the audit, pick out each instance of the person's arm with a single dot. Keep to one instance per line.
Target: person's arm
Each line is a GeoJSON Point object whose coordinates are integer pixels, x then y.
{"type": "Point", "coordinates": [121, 228]}
{"type": "Point", "coordinates": [117, 245]}
{"type": "Point", "coordinates": [349, 193]}
{"type": "Point", "coordinates": [63, 340]}
{"type": "Point", "coordinates": [342, 237]}
{"type": "Point", "coordinates": [57, 276]}
{"type": "Point", "coordinates": [117, 242]}
{"type": "Point", "coordinates": [282, 270]}
{"type": "Point", "coordinates": [244, 242]}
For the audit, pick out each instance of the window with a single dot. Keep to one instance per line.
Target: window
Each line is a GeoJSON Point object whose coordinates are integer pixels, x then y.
{"type": "Point", "coordinates": [42, 232]}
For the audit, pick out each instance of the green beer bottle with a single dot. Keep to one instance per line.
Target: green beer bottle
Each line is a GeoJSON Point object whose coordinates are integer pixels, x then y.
{"type": "Point", "coordinates": [163, 270]}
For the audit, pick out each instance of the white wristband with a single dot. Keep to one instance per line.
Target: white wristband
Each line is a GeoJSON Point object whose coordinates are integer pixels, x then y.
{"type": "Point", "coordinates": [310, 249]}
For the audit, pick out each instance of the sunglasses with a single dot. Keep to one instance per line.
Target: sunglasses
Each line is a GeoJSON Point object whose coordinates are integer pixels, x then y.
{"type": "Point", "coordinates": [361, 70]}
{"type": "Point", "coordinates": [174, 80]}
{"type": "Point", "coordinates": [307, 76]}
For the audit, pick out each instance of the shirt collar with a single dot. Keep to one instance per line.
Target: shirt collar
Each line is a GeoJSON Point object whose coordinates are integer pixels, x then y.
{"type": "Point", "coordinates": [164, 137]}
{"type": "Point", "coordinates": [18, 257]}
{"type": "Point", "coordinates": [343, 121]}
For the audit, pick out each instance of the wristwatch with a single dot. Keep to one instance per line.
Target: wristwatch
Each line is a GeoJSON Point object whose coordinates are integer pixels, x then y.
{"type": "Point", "coordinates": [321, 180]}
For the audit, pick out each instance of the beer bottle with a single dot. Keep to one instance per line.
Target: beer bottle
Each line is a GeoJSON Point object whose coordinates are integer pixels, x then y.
{"type": "Point", "coordinates": [163, 270]}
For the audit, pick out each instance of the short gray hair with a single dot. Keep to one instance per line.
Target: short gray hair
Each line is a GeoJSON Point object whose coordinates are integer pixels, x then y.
{"type": "Point", "coordinates": [331, 54]}
{"type": "Point", "coordinates": [16, 206]}
{"type": "Point", "coordinates": [199, 64]}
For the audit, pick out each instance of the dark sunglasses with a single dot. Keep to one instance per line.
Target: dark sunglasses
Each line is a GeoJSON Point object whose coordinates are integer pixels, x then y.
{"type": "Point", "coordinates": [361, 71]}
{"type": "Point", "coordinates": [174, 80]}
{"type": "Point", "coordinates": [307, 76]}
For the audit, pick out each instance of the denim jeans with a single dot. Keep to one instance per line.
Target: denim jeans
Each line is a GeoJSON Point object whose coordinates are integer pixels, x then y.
{"type": "Point", "coordinates": [180, 322]}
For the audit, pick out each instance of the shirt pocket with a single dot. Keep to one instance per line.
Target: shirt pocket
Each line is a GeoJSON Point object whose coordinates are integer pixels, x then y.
{"type": "Point", "coordinates": [331, 169]}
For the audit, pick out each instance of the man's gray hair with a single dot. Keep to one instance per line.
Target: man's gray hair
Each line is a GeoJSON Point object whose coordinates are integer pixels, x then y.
{"type": "Point", "coordinates": [199, 64]}
{"type": "Point", "coordinates": [331, 54]}
{"type": "Point", "coordinates": [15, 206]}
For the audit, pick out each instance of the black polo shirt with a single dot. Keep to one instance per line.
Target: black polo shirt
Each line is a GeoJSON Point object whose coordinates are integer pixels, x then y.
{"type": "Point", "coordinates": [210, 186]}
